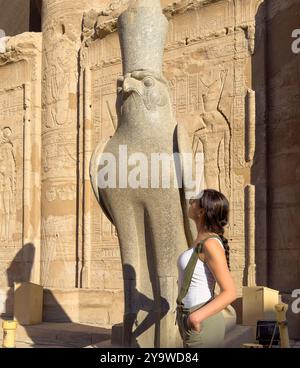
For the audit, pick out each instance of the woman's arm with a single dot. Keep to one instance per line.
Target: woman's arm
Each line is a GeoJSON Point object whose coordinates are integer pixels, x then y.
{"type": "Point", "coordinates": [216, 260]}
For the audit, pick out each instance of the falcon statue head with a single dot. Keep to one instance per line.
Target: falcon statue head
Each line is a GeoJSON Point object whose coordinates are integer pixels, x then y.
{"type": "Point", "coordinates": [142, 30]}
{"type": "Point", "coordinates": [142, 89]}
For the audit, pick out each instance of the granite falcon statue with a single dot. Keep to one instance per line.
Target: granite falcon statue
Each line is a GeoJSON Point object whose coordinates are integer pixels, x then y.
{"type": "Point", "coordinates": [152, 223]}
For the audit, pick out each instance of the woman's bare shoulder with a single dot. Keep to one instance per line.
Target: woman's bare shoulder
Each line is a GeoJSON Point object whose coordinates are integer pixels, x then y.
{"type": "Point", "coordinates": [212, 244]}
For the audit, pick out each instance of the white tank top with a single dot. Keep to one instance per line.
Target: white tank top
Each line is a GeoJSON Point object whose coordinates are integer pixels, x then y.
{"type": "Point", "coordinates": [202, 284]}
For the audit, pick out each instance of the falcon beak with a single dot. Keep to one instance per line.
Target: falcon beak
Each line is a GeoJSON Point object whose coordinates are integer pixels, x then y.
{"type": "Point", "coordinates": [131, 85]}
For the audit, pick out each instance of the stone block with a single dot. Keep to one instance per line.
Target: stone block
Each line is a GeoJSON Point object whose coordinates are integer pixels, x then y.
{"type": "Point", "coordinates": [258, 304]}
{"type": "Point", "coordinates": [28, 303]}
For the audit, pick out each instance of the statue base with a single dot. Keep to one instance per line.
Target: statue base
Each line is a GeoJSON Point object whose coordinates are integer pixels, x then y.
{"type": "Point", "coordinates": [148, 334]}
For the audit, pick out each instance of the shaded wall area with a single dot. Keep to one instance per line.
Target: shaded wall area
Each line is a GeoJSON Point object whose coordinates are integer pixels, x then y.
{"type": "Point", "coordinates": [283, 91]}
{"type": "Point", "coordinates": [283, 146]}
{"type": "Point", "coordinates": [18, 16]}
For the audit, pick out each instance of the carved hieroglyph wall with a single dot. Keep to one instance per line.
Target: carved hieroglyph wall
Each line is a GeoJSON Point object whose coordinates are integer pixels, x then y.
{"type": "Point", "coordinates": [208, 62]}
{"type": "Point", "coordinates": [209, 59]}
{"type": "Point", "coordinates": [61, 258]}
{"type": "Point", "coordinates": [57, 97]}
{"type": "Point", "coordinates": [20, 132]}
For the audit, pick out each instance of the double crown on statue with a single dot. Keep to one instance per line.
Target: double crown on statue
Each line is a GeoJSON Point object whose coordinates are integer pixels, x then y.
{"type": "Point", "coordinates": [142, 32]}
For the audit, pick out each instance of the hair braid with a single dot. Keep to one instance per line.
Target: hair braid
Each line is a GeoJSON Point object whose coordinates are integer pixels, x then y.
{"type": "Point", "coordinates": [226, 247]}
{"type": "Point", "coordinates": [216, 208]}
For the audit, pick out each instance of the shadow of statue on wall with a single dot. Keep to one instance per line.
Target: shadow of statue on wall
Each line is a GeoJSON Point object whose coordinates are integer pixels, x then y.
{"type": "Point", "coordinates": [156, 309]}
{"type": "Point", "coordinates": [19, 271]}
{"type": "Point", "coordinates": [61, 331]}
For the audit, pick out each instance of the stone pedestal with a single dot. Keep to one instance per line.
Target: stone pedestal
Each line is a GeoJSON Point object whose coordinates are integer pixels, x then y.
{"type": "Point", "coordinates": [259, 304]}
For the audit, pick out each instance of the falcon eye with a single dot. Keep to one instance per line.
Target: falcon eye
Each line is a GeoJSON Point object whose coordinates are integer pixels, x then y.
{"type": "Point", "coordinates": [148, 82]}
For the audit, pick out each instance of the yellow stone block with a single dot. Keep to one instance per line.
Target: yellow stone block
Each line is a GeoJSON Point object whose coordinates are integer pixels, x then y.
{"type": "Point", "coordinates": [258, 304]}
{"type": "Point", "coordinates": [28, 303]}
{"type": "Point", "coordinates": [9, 334]}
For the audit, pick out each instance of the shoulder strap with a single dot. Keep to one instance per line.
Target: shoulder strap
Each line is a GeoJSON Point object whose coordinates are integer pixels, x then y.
{"type": "Point", "coordinates": [189, 270]}
{"type": "Point", "coordinates": [188, 273]}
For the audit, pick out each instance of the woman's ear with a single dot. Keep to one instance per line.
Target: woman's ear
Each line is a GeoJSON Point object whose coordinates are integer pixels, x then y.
{"type": "Point", "coordinates": [201, 212]}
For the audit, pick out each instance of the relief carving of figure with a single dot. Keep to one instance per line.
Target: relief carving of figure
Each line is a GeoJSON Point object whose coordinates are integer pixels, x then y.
{"type": "Point", "coordinates": [61, 82]}
{"type": "Point", "coordinates": [7, 184]}
{"type": "Point", "coordinates": [213, 136]}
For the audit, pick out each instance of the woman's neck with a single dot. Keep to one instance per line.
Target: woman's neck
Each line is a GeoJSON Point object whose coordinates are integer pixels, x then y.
{"type": "Point", "coordinates": [202, 234]}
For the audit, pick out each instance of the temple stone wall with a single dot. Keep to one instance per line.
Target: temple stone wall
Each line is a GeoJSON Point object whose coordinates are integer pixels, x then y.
{"type": "Point", "coordinates": [209, 65]}
{"type": "Point", "coordinates": [20, 162]}
{"type": "Point", "coordinates": [65, 261]}
{"type": "Point", "coordinates": [234, 83]}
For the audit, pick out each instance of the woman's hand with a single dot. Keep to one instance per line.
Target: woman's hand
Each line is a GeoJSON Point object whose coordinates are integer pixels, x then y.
{"type": "Point", "coordinates": [193, 322]}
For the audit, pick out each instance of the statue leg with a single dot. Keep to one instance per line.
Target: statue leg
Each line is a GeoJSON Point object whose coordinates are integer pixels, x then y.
{"type": "Point", "coordinates": [169, 240]}
{"type": "Point", "coordinates": [138, 330]}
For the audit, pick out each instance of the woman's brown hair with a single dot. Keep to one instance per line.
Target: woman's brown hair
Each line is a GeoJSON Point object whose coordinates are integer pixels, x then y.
{"type": "Point", "coordinates": [216, 210]}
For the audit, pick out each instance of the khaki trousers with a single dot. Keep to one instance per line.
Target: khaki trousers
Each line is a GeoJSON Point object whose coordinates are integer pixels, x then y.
{"type": "Point", "coordinates": [212, 330]}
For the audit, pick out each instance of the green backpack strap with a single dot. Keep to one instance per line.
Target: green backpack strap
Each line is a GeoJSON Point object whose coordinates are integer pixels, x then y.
{"type": "Point", "coordinates": [189, 270]}
{"type": "Point", "coordinates": [188, 273]}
